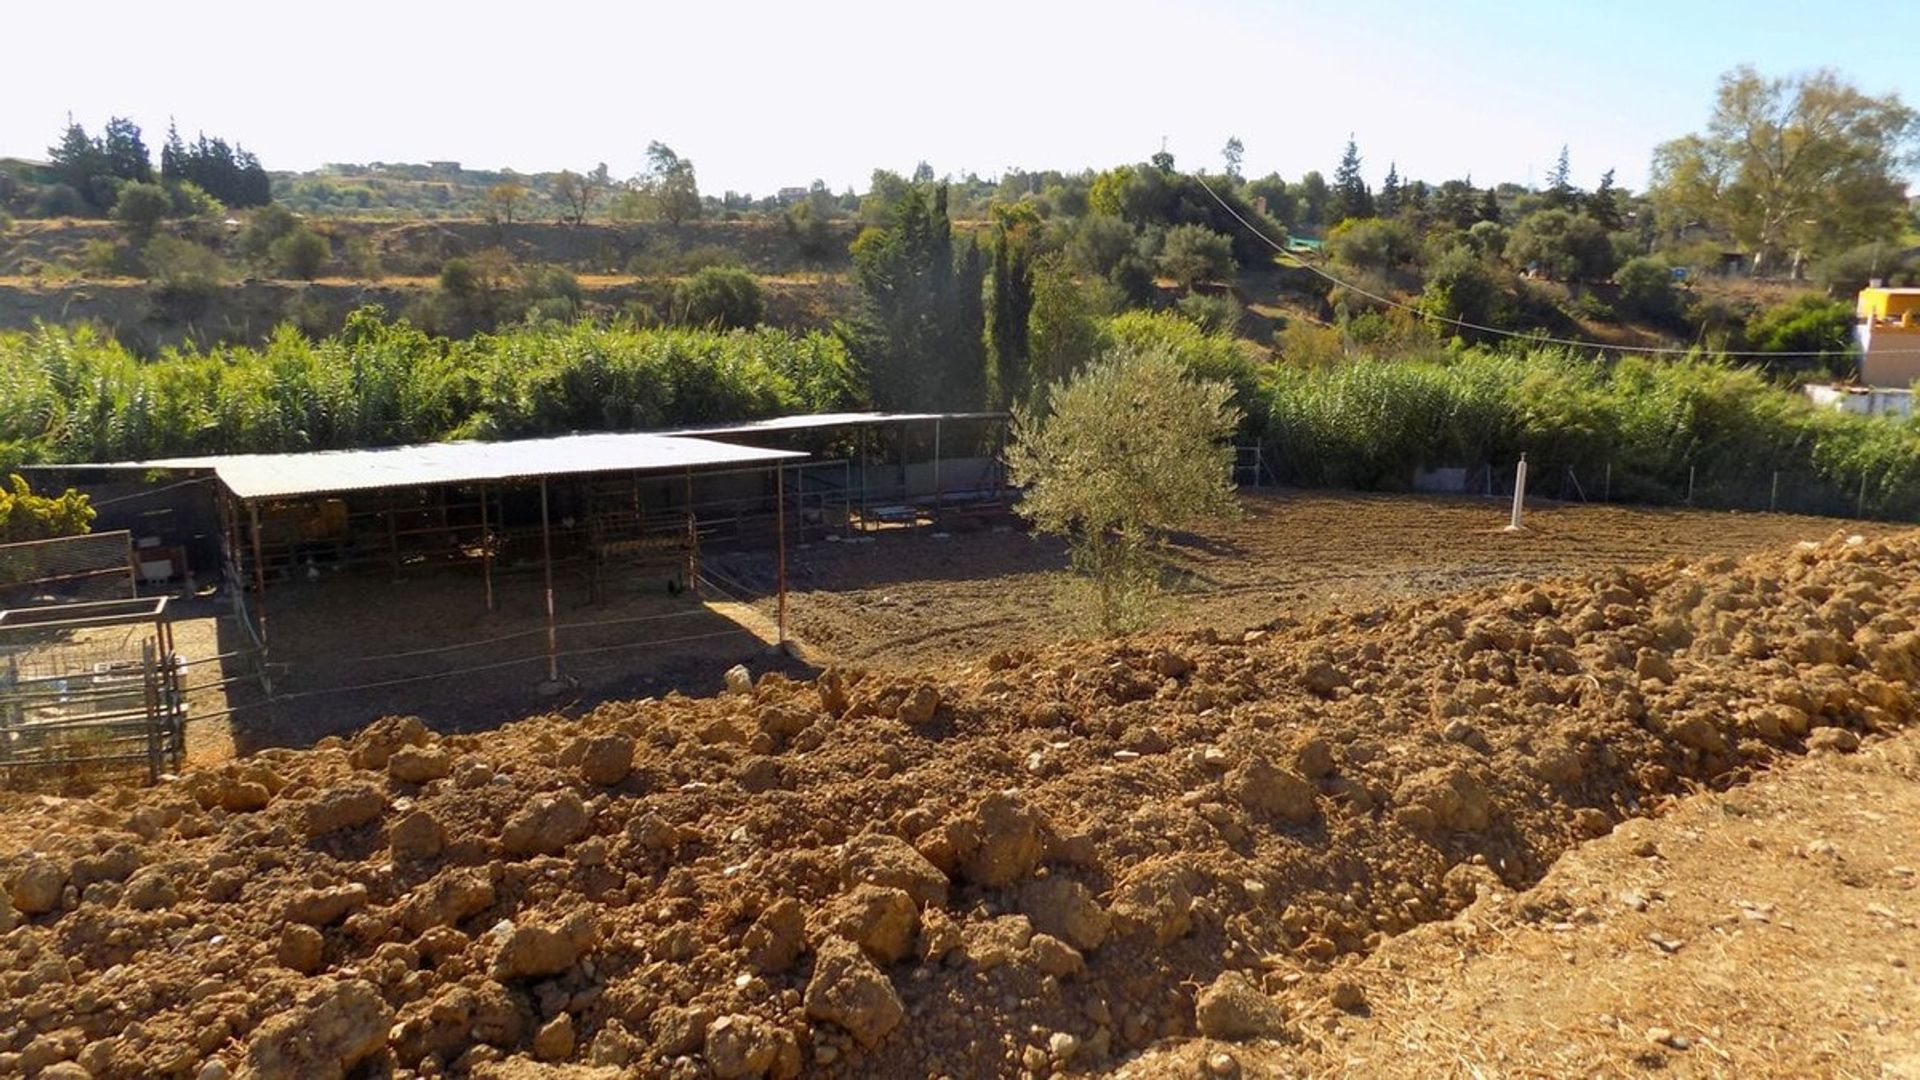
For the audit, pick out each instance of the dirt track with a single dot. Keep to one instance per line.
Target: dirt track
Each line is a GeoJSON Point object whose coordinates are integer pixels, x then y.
{"type": "Point", "coordinates": [1770, 930]}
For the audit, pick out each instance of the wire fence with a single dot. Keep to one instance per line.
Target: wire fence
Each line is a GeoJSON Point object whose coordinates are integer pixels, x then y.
{"type": "Point", "coordinates": [1758, 490]}
{"type": "Point", "coordinates": [97, 566]}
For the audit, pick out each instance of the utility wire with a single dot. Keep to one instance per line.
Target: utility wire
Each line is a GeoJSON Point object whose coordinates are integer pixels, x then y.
{"type": "Point", "coordinates": [1541, 339]}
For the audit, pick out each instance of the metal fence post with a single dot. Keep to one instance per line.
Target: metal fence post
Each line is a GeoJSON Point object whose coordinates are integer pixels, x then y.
{"type": "Point", "coordinates": [1606, 485]}
{"type": "Point", "coordinates": [1690, 485]}
{"type": "Point", "coordinates": [1860, 505]}
{"type": "Point", "coordinates": [1773, 500]}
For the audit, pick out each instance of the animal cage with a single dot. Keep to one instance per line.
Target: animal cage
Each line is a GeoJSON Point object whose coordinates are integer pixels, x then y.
{"type": "Point", "coordinates": [89, 689]}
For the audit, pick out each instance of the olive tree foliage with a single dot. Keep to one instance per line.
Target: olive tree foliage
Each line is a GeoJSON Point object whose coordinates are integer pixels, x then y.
{"type": "Point", "coordinates": [1806, 164]}
{"type": "Point", "coordinates": [1128, 449]}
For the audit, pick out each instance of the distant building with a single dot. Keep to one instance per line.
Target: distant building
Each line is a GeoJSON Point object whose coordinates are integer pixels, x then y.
{"type": "Point", "coordinates": [451, 168]}
{"type": "Point", "coordinates": [1887, 328]}
{"type": "Point", "coordinates": [31, 170]}
{"type": "Point", "coordinates": [1863, 400]}
{"type": "Point", "coordinates": [789, 195]}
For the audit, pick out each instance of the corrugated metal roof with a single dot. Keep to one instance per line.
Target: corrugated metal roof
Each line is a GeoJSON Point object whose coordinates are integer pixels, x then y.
{"type": "Point", "coordinates": [257, 476]}
{"type": "Point", "coordinates": [316, 472]}
{"type": "Point", "coordinates": [815, 421]}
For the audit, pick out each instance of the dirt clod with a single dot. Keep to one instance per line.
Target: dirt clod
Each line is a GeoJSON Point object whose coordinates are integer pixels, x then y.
{"type": "Point", "coordinates": [1233, 1008]}
{"type": "Point", "coordinates": [330, 1031]}
{"type": "Point", "coordinates": [848, 991]}
{"type": "Point", "coordinates": [607, 759]}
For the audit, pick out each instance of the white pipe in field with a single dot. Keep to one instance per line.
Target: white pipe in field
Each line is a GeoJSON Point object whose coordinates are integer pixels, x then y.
{"type": "Point", "coordinates": [1519, 494]}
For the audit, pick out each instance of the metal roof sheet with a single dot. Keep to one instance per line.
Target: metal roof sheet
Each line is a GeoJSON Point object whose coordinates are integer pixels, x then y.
{"type": "Point", "coordinates": [815, 421]}
{"type": "Point", "coordinates": [257, 476]}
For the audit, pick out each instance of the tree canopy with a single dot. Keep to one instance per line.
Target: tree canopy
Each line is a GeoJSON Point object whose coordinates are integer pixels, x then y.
{"type": "Point", "coordinates": [1788, 166]}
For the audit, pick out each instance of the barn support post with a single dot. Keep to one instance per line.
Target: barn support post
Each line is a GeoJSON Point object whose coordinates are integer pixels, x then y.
{"type": "Point", "coordinates": [486, 548]}
{"type": "Point", "coordinates": [780, 526]}
{"type": "Point", "coordinates": [259, 576]}
{"type": "Point", "coordinates": [693, 542]}
{"type": "Point", "coordinates": [865, 472]}
{"type": "Point", "coordinates": [546, 563]}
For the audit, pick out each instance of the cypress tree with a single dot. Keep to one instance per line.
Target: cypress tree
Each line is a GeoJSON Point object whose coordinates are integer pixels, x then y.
{"type": "Point", "coordinates": [1389, 202]}
{"type": "Point", "coordinates": [1351, 199]}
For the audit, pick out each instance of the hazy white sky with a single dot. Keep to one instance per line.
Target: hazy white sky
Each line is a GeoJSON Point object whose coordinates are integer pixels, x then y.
{"type": "Point", "coordinates": [762, 95]}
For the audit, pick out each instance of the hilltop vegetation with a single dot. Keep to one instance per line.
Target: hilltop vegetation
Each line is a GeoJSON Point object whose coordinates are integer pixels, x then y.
{"type": "Point", "coordinates": [1396, 339]}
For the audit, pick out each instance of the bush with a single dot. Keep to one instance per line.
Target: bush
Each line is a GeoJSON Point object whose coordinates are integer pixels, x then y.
{"type": "Point", "coordinates": [719, 297]}
{"type": "Point", "coordinates": [364, 258]}
{"type": "Point", "coordinates": [183, 273]}
{"type": "Point", "coordinates": [1100, 242]}
{"type": "Point", "coordinates": [1806, 324]}
{"type": "Point", "coordinates": [264, 226]}
{"type": "Point", "coordinates": [59, 201]}
{"type": "Point", "coordinates": [26, 516]}
{"type": "Point", "coordinates": [141, 207]}
{"type": "Point", "coordinates": [191, 201]}
{"type": "Point", "coordinates": [1372, 244]}
{"type": "Point", "coordinates": [1212, 312]}
{"type": "Point", "coordinates": [1194, 253]}
{"type": "Point", "coordinates": [550, 293]}
{"type": "Point", "coordinates": [299, 254]}
{"type": "Point", "coordinates": [1850, 271]}
{"type": "Point", "coordinates": [1562, 245]}
{"type": "Point", "coordinates": [1460, 287]}
{"type": "Point", "coordinates": [1647, 290]}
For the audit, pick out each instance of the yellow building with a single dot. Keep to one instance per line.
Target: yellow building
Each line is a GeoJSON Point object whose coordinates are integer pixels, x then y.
{"type": "Point", "coordinates": [1888, 329]}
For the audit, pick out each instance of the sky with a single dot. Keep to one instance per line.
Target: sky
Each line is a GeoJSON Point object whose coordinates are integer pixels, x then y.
{"type": "Point", "coordinates": [764, 95]}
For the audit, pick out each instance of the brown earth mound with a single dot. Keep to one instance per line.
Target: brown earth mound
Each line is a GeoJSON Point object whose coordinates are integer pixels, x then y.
{"type": "Point", "coordinates": [1039, 866]}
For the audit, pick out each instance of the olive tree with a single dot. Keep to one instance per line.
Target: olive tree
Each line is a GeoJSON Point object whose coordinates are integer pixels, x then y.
{"type": "Point", "coordinates": [1129, 449]}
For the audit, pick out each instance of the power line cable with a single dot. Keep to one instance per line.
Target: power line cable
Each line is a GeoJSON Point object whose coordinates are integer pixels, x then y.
{"type": "Point", "coordinates": [1541, 339]}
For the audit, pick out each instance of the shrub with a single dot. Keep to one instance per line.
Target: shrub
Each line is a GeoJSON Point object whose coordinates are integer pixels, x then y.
{"type": "Point", "coordinates": [1850, 271]}
{"type": "Point", "coordinates": [1647, 290]}
{"type": "Point", "coordinates": [26, 516]}
{"type": "Point", "coordinates": [364, 258]}
{"type": "Point", "coordinates": [1194, 253]}
{"type": "Point", "coordinates": [719, 297]}
{"type": "Point", "coordinates": [1808, 323]}
{"type": "Point", "coordinates": [299, 254]}
{"type": "Point", "coordinates": [184, 274]}
{"type": "Point", "coordinates": [1563, 245]}
{"type": "Point", "coordinates": [1460, 287]}
{"type": "Point", "coordinates": [1212, 312]}
{"type": "Point", "coordinates": [141, 207]}
{"type": "Point", "coordinates": [1100, 242]}
{"type": "Point", "coordinates": [191, 201]}
{"type": "Point", "coordinates": [264, 226]}
{"type": "Point", "coordinates": [1372, 244]}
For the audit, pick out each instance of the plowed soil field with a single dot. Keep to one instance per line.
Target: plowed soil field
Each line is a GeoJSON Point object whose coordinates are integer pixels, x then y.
{"type": "Point", "coordinates": [908, 599]}
{"type": "Point", "coordinates": [1400, 839]}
